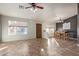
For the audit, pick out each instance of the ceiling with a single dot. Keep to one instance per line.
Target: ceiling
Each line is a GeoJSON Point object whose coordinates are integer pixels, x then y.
{"type": "Point", "coordinates": [50, 13]}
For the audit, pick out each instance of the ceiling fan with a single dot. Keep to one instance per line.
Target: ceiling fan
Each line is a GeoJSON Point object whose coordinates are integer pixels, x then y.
{"type": "Point", "coordinates": [32, 6]}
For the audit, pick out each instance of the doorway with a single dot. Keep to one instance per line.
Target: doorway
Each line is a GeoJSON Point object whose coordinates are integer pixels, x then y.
{"type": "Point", "coordinates": [38, 30]}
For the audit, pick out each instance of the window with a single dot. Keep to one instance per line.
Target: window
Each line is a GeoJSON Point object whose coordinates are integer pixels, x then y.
{"type": "Point", "coordinates": [66, 26]}
{"type": "Point", "coordinates": [17, 28]}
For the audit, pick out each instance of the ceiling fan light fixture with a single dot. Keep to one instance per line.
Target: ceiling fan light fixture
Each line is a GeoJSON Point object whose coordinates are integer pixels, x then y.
{"type": "Point", "coordinates": [60, 20]}
{"type": "Point", "coordinates": [33, 9]}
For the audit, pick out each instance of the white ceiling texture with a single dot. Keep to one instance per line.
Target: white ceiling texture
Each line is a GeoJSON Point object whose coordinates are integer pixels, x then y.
{"type": "Point", "coordinates": [50, 13]}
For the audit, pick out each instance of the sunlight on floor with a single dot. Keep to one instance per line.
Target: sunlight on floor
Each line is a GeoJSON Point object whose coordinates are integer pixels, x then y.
{"type": "Point", "coordinates": [3, 48]}
{"type": "Point", "coordinates": [56, 42]}
{"type": "Point", "coordinates": [52, 42]}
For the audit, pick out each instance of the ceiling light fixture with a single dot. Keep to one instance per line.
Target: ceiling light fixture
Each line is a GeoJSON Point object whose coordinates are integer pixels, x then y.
{"type": "Point", "coordinates": [60, 20]}
{"type": "Point", "coordinates": [33, 9]}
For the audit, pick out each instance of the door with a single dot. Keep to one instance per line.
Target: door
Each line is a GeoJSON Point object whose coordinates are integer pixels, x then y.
{"type": "Point", "coordinates": [38, 30]}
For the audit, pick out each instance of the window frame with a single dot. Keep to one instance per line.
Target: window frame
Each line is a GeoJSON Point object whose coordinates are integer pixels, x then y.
{"type": "Point", "coordinates": [17, 33]}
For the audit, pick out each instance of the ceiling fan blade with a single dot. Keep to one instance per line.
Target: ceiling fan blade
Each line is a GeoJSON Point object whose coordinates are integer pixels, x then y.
{"type": "Point", "coordinates": [40, 7]}
{"type": "Point", "coordinates": [21, 7]}
{"type": "Point", "coordinates": [33, 4]}
{"type": "Point", "coordinates": [28, 7]}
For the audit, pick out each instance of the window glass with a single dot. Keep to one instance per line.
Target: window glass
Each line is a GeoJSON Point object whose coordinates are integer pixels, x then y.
{"type": "Point", "coordinates": [17, 27]}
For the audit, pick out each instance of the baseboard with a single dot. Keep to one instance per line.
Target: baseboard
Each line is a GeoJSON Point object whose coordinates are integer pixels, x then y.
{"type": "Point", "coordinates": [16, 40]}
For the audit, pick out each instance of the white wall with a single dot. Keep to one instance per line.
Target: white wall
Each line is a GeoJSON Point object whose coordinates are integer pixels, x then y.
{"type": "Point", "coordinates": [0, 29]}
{"type": "Point", "coordinates": [31, 29]}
